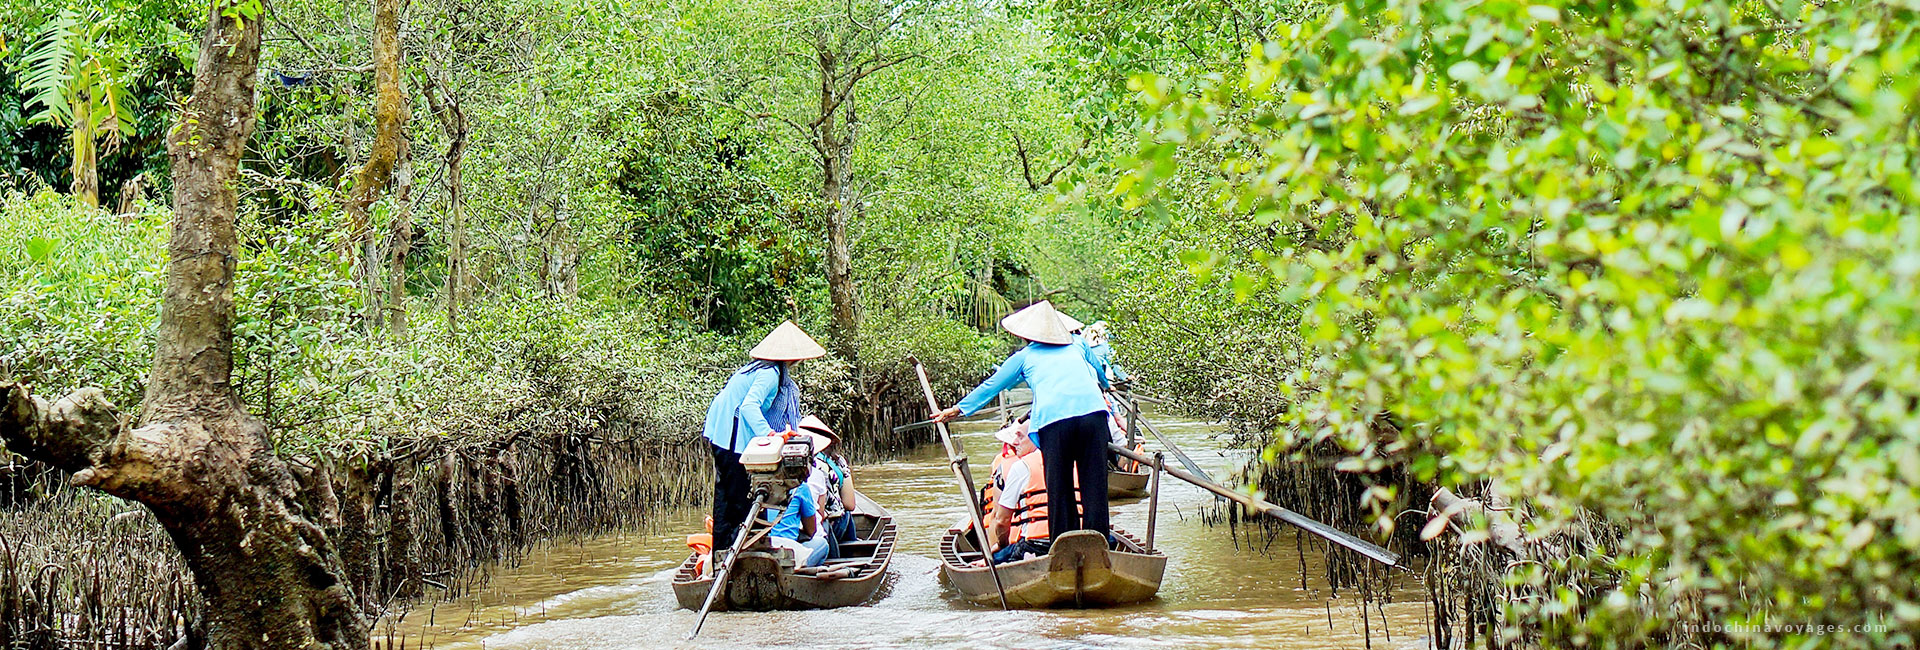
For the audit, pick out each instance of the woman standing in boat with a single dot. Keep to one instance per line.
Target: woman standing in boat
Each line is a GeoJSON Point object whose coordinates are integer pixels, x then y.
{"type": "Point", "coordinates": [1068, 413]}
{"type": "Point", "coordinates": [759, 399]}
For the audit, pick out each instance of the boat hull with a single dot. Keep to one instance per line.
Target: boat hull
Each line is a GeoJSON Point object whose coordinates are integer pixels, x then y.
{"type": "Point", "coordinates": [1123, 484]}
{"type": "Point", "coordinates": [762, 581]}
{"type": "Point", "coordinates": [1080, 572]}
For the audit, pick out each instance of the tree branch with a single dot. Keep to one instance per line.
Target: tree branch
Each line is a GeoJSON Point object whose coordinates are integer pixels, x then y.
{"type": "Point", "coordinates": [801, 128]}
{"type": "Point", "coordinates": [65, 433]}
{"type": "Point", "coordinates": [1026, 166]}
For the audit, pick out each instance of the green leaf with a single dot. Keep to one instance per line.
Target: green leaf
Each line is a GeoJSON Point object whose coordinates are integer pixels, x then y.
{"type": "Point", "coordinates": [40, 249]}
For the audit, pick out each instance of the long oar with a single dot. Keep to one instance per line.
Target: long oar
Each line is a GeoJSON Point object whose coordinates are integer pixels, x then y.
{"type": "Point", "coordinates": [733, 553]}
{"type": "Point", "coordinates": [1305, 523]}
{"type": "Point", "coordinates": [1143, 397]}
{"type": "Point", "coordinates": [1185, 460]}
{"type": "Point", "coordinates": [927, 423]}
{"type": "Point", "coordinates": [965, 475]}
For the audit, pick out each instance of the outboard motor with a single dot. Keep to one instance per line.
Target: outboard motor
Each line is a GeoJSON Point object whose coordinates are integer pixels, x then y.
{"type": "Point", "coordinates": [776, 465]}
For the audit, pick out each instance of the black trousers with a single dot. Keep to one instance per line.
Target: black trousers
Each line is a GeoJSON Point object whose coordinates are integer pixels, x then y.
{"type": "Point", "coordinates": [732, 496]}
{"type": "Point", "coordinates": [1076, 445]}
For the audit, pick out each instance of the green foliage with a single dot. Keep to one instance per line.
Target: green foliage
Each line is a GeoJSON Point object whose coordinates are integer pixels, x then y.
{"type": "Point", "coordinates": [85, 289]}
{"type": "Point", "coordinates": [82, 290]}
{"type": "Point", "coordinates": [125, 59]}
{"type": "Point", "coordinates": [706, 227]}
{"type": "Point", "coordinates": [1653, 262]}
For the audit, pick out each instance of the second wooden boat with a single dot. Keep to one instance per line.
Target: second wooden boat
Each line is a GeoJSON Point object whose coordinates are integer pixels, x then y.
{"type": "Point", "coordinates": [764, 578]}
{"type": "Point", "coordinates": [1080, 571]}
{"type": "Point", "coordinates": [1125, 484]}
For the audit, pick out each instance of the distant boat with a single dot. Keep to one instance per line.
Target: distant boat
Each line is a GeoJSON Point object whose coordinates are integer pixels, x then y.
{"type": "Point", "coordinates": [765, 578]}
{"type": "Point", "coordinates": [1125, 484]}
{"type": "Point", "coordinates": [1080, 571]}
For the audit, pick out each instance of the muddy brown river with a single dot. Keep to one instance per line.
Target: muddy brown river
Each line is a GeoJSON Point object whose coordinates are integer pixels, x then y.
{"type": "Point", "coordinates": [611, 592]}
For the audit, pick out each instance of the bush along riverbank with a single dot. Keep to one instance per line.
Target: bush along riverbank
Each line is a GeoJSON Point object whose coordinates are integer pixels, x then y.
{"type": "Point", "coordinates": [426, 458]}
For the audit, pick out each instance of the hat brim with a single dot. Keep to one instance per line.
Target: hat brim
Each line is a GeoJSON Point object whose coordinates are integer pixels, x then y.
{"type": "Point", "coordinates": [820, 442]}
{"type": "Point", "coordinates": [787, 343]}
{"type": "Point", "coordinates": [1038, 323]}
{"type": "Point", "coordinates": [1010, 434]}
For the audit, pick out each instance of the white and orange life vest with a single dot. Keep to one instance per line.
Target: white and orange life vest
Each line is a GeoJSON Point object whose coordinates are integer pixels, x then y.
{"type": "Point", "coordinates": [1030, 519]}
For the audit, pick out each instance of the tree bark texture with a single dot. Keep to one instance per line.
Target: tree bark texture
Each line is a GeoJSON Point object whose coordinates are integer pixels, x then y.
{"type": "Point", "coordinates": [86, 163]}
{"type": "Point", "coordinates": [198, 461]}
{"type": "Point", "coordinates": [390, 122]}
{"type": "Point", "coordinates": [560, 257]}
{"type": "Point", "coordinates": [402, 244]}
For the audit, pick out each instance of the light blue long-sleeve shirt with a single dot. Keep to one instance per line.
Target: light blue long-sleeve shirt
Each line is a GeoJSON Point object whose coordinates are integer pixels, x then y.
{"type": "Point", "coordinates": [1104, 353]}
{"type": "Point", "coordinates": [1098, 360]}
{"type": "Point", "coordinates": [744, 400]}
{"type": "Point", "coordinates": [1062, 377]}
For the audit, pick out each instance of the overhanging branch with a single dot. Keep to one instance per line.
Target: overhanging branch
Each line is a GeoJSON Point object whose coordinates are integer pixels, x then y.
{"type": "Point", "coordinates": [64, 433]}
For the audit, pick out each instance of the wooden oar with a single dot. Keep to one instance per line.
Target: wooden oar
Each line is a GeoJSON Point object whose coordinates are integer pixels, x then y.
{"type": "Point", "coordinates": [927, 423]}
{"type": "Point", "coordinates": [1137, 396]}
{"type": "Point", "coordinates": [1185, 460]}
{"type": "Point", "coordinates": [733, 553]}
{"type": "Point", "coordinates": [1305, 523]}
{"type": "Point", "coordinates": [960, 471]}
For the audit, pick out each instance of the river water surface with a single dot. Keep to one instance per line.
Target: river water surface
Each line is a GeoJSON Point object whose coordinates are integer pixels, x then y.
{"type": "Point", "coordinates": [612, 591]}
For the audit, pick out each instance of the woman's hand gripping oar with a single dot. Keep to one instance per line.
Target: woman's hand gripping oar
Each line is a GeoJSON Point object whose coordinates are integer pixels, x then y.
{"type": "Point", "coordinates": [965, 476]}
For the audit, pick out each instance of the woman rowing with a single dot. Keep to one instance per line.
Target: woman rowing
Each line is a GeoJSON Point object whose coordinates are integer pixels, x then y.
{"type": "Point", "coordinates": [1068, 415]}
{"type": "Point", "coordinates": [758, 400]}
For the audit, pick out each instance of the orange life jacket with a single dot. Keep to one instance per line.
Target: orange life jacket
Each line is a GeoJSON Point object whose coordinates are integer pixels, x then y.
{"type": "Point", "coordinates": [996, 476]}
{"type": "Point", "coordinates": [1030, 519]}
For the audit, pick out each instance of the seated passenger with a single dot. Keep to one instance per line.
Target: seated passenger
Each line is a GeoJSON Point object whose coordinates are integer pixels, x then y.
{"type": "Point", "coordinates": [796, 523]}
{"type": "Point", "coordinates": [1009, 454]}
{"type": "Point", "coordinates": [831, 481]}
{"type": "Point", "coordinates": [1020, 512]}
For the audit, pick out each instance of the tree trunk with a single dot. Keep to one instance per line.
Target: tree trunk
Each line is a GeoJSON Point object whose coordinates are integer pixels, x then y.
{"type": "Point", "coordinates": [205, 468]}
{"type": "Point", "coordinates": [86, 168]}
{"type": "Point", "coordinates": [390, 122]}
{"type": "Point", "coordinates": [453, 123]}
{"type": "Point", "coordinates": [560, 256]}
{"type": "Point", "coordinates": [130, 194]}
{"type": "Point", "coordinates": [402, 244]}
{"type": "Point", "coordinates": [836, 161]}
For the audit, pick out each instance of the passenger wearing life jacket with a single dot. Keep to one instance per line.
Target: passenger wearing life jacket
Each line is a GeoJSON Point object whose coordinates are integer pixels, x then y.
{"type": "Point", "coordinates": [996, 471]}
{"type": "Point", "coordinates": [1019, 527]}
{"type": "Point", "coordinates": [1009, 455]}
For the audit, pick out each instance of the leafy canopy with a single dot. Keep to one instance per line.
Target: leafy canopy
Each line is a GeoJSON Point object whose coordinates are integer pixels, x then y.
{"type": "Point", "coordinates": [1654, 261]}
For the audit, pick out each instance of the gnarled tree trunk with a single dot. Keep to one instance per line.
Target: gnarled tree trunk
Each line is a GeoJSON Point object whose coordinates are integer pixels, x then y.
{"type": "Point", "coordinates": [834, 143]}
{"type": "Point", "coordinates": [206, 468]}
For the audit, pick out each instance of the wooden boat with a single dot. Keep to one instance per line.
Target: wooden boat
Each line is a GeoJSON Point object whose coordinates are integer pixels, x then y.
{"type": "Point", "coordinates": [1079, 572]}
{"type": "Point", "coordinates": [1125, 484]}
{"type": "Point", "coordinates": [765, 578]}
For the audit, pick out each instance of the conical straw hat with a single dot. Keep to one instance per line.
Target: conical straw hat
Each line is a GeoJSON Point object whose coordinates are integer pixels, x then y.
{"type": "Point", "coordinates": [787, 343]}
{"type": "Point", "coordinates": [822, 434]}
{"type": "Point", "coordinates": [1039, 323]}
{"type": "Point", "coordinates": [1072, 324]}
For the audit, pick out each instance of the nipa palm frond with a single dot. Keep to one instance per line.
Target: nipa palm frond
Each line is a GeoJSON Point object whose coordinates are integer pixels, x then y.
{"type": "Point", "coordinates": [49, 71]}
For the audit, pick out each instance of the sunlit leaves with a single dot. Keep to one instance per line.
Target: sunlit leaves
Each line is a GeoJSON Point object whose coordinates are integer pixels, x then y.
{"type": "Point", "coordinates": [1609, 258]}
